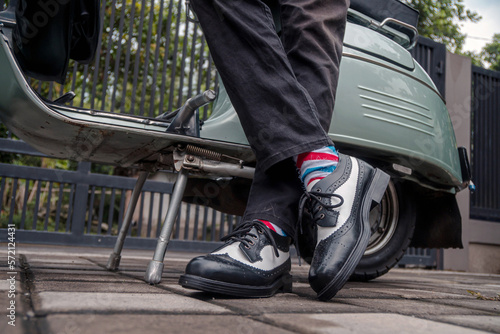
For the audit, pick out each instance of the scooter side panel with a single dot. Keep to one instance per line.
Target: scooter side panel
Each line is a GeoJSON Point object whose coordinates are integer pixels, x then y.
{"type": "Point", "coordinates": [223, 124]}
{"type": "Point", "coordinates": [384, 112]}
{"type": "Point", "coordinates": [395, 115]}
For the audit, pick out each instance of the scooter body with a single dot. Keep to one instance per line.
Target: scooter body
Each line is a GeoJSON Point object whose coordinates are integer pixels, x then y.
{"type": "Point", "coordinates": [388, 111]}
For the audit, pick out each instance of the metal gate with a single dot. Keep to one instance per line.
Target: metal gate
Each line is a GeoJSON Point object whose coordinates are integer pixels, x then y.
{"type": "Point", "coordinates": [485, 160]}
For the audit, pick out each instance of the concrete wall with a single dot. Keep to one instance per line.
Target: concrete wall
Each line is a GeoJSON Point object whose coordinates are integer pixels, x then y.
{"type": "Point", "coordinates": [481, 239]}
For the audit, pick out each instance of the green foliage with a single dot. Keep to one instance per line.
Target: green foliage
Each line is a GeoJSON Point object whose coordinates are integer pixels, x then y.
{"type": "Point", "coordinates": [438, 21]}
{"type": "Point", "coordinates": [491, 53]}
{"type": "Point", "coordinates": [36, 194]}
{"type": "Point", "coordinates": [480, 296]}
{"type": "Point", "coordinates": [5, 157]}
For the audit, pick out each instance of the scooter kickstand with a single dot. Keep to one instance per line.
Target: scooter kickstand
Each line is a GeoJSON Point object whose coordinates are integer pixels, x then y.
{"type": "Point", "coordinates": [115, 257]}
{"type": "Point", "coordinates": [155, 266]}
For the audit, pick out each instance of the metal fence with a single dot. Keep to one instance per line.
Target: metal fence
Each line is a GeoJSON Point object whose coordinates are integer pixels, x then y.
{"type": "Point", "coordinates": [485, 160]}
{"type": "Point", "coordinates": [83, 208]}
{"type": "Point", "coordinates": [149, 61]}
{"type": "Point", "coordinates": [432, 57]}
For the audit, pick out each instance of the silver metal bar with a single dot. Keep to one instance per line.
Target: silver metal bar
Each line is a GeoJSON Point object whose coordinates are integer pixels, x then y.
{"type": "Point", "coordinates": [218, 168]}
{"type": "Point", "coordinates": [114, 258]}
{"type": "Point", "coordinates": [413, 40]}
{"type": "Point", "coordinates": [155, 266]}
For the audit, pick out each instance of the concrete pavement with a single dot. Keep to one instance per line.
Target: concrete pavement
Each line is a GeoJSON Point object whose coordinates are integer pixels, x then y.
{"type": "Point", "coordinates": [68, 290]}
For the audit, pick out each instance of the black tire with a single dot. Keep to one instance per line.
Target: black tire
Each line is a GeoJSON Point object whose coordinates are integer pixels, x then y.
{"type": "Point", "coordinates": [392, 223]}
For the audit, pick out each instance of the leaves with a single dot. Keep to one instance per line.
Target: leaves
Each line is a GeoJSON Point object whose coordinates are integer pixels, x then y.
{"type": "Point", "coordinates": [491, 53]}
{"type": "Point", "coordinates": [438, 21]}
{"type": "Point", "coordinates": [479, 295]}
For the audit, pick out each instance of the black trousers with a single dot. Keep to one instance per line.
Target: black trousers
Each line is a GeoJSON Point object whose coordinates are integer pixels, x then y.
{"type": "Point", "coordinates": [282, 87]}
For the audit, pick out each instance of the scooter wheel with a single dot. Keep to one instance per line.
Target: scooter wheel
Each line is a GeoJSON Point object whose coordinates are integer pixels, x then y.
{"type": "Point", "coordinates": [392, 224]}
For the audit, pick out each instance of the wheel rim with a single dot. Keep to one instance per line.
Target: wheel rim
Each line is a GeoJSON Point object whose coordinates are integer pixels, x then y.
{"type": "Point", "coordinates": [383, 220]}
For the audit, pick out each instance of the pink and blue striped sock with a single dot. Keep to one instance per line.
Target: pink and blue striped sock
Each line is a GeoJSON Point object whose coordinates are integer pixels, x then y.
{"type": "Point", "coordinates": [273, 227]}
{"type": "Point", "coordinates": [316, 165]}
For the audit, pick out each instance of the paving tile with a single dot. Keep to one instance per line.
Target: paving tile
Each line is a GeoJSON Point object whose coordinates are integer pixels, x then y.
{"type": "Point", "coordinates": [282, 302]}
{"type": "Point", "coordinates": [366, 323]}
{"type": "Point", "coordinates": [485, 323]}
{"type": "Point", "coordinates": [56, 258]}
{"type": "Point", "coordinates": [5, 281]}
{"type": "Point", "coordinates": [286, 303]}
{"type": "Point", "coordinates": [139, 275]}
{"type": "Point", "coordinates": [15, 313]}
{"type": "Point", "coordinates": [90, 276]}
{"type": "Point", "coordinates": [421, 308]}
{"type": "Point", "coordinates": [9, 329]}
{"type": "Point", "coordinates": [53, 302]}
{"type": "Point", "coordinates": [50, 267]}
{"type": "Point", "coordinates": [445, 287]}
{"type": "Point", "coordinates": [75, 286]}
{"type": "Point", "coordinates": [473, 304]}
{"type": "Point", "coordinates": [409, 293]}
{"type": "Point", "coordinates": [73, 271]}
{"type": "Point", "coordinates": [161, 324]}
{"type": "Point", "coordinates": [33, 259]}
{"type": "Point", "coordinates": [348, 291]}
{"type": "Point", "coordinates": [443, 276]}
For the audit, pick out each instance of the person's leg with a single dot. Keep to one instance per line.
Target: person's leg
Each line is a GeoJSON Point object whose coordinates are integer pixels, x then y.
{"type": "Point", "coordinates": [340, 189]}
{"type": "Point", "coordinates": [274, 196]}
{"type": "Point", "coordinates": [277, 113]}
{"type": "Point", "coordinates": [311, 34]}
{"type": "Point", "coordinates": [280, 121]}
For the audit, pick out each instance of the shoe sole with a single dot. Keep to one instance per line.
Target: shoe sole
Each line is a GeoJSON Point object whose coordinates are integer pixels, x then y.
{"type": "Point", "coordinates": [374, 193]}
{"type": "Point", "coordinates": [282, 284]}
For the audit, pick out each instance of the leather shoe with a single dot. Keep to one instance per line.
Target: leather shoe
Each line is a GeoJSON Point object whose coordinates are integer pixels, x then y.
{"type": "Point", "coordinates": [340, 205]}
{"type": "Point", "coordinates": [253, 262]}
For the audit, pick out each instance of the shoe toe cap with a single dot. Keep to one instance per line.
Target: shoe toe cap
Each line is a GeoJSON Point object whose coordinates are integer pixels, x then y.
{"type": "Point", "coordinates": [213, 267]}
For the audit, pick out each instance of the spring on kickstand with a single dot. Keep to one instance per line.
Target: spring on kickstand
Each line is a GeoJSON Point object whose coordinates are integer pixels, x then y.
{"type": "Point", "coordinates": [194, 150]}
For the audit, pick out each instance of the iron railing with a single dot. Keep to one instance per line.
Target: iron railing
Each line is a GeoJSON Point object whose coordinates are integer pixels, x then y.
{"type": "Point", "coordinates": [83, 208]}
{"type": "Point", "coordinates": [485, 160]}
{"type": "Point", "coordinates": [432, 57]}
{"type": "Point", "coordinates": [149, 60]}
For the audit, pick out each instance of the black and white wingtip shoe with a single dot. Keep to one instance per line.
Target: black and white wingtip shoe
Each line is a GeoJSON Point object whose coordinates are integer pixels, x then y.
{"type": "Point", "coordinates": [254, 262]}
{"type": "Point", "coordinates": [340, 205]}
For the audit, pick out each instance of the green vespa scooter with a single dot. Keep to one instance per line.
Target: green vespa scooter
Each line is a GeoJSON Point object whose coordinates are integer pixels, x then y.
{"type": "Point", "coordinates": [388, 112]}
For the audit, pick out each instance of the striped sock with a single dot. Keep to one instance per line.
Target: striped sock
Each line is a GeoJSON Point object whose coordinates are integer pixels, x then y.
{"type": "Point", "coordinates": [314, 166]}
{"type": "Point", "coordinates": [273, 227]}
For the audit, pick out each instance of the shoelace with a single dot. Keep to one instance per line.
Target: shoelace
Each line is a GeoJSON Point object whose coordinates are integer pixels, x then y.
{"type": "Point", "coordinates": [317, 197]}
{"type": "Point", "coordinates": [242, 234]}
